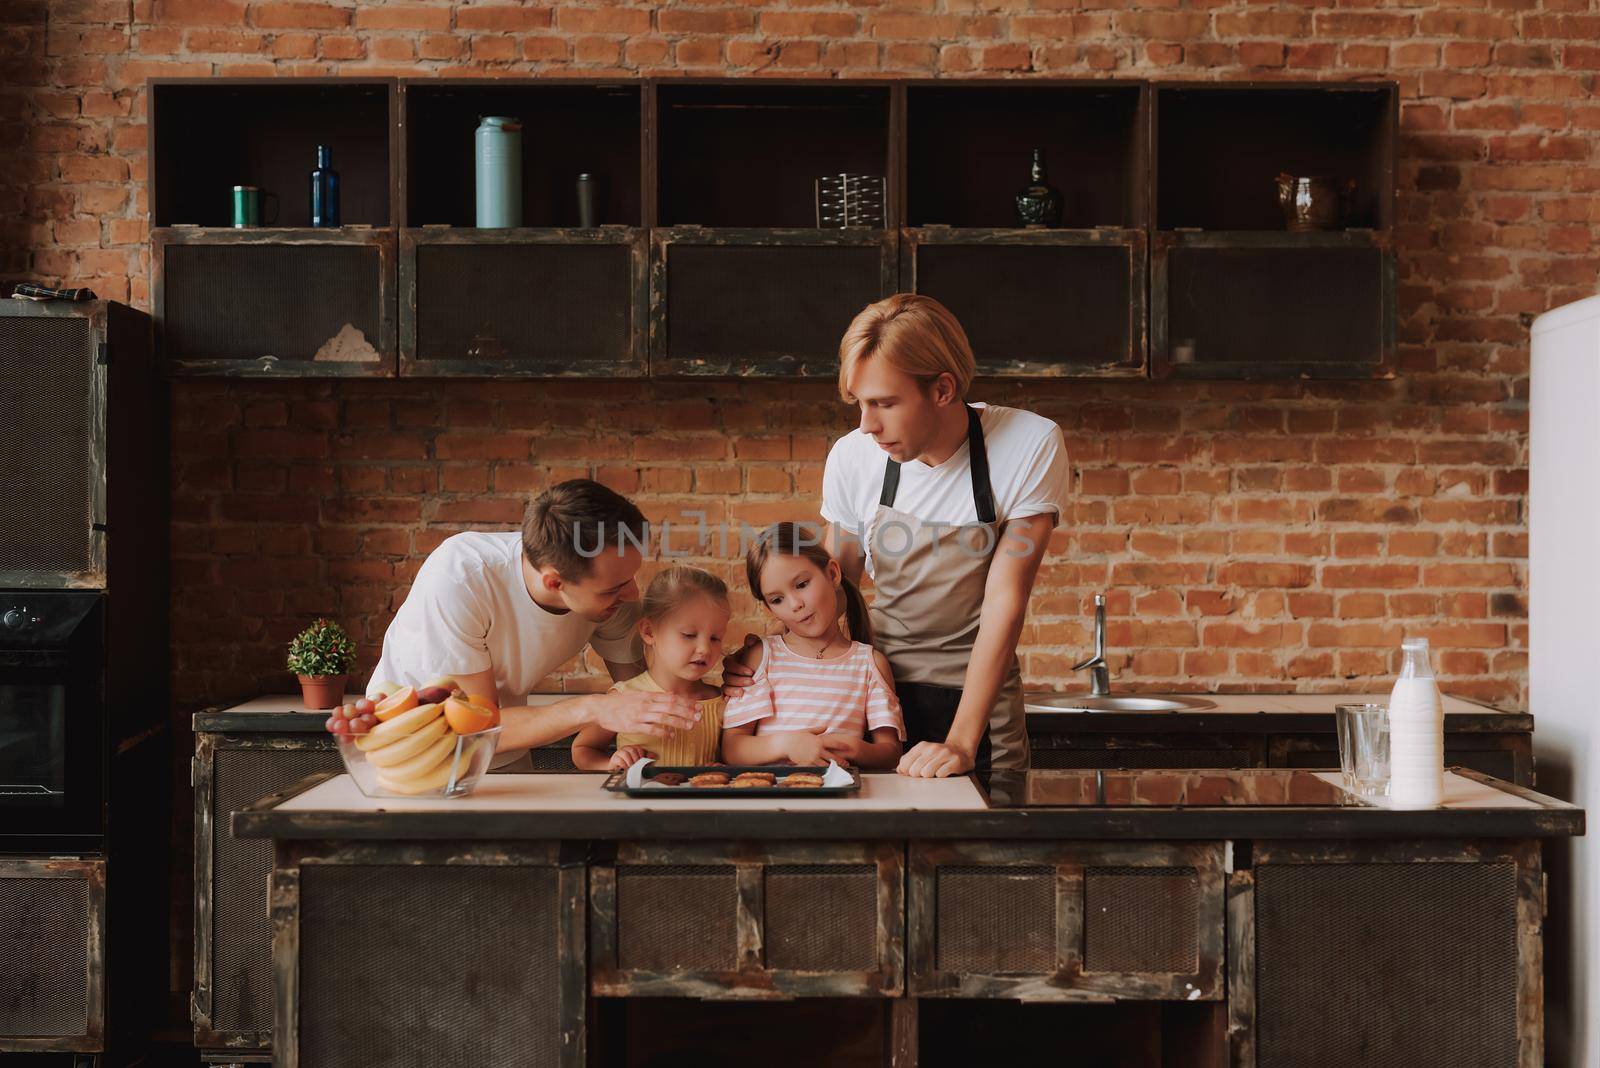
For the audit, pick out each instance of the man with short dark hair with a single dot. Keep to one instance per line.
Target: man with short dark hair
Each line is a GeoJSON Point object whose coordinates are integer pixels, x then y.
{"type": "Point", "coordinates": [499, 611]}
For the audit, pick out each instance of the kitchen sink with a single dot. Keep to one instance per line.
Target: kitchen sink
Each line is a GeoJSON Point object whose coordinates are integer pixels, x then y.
{"type": "Point", "coordinates": [1081, 702]}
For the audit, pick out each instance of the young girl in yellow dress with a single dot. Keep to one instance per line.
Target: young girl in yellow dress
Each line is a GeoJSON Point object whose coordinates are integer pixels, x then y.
{"type": "Point", "coordinates": [683, 616]}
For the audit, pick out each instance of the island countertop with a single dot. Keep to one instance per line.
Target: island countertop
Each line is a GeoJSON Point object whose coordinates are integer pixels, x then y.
{"type": "Point", "coordinates": [1234, 712]}
{"type": "Point", "coordinates": [1038, 804]}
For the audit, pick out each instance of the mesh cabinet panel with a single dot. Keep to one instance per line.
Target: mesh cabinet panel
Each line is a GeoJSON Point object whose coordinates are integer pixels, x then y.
{"type": "Point", "coordinates": [46, 511]}
{"type": "Point", "coordinates": [1265, 305]}
{"type": "Point", "coordinates": [1386, 964]}
{"type": "Point", "coordinates": [1059, 304]}
{"type": "Point", "coordinates": [44, 942]}
{"type": "Point", "coordinates": [241, 934]}
{"type": "Point", "coordinates": [1140, 919]}
{"type": "Point", "coordinates": [994, 920]}
{"type": "Point", "coordinates": [1139, 758]}
{"type": "Point", "coordinates": [242, 302]}
{"type": "Point", "coordinates": [674, 918]}
{"type": "Point", "coordinates": [478, 945]}
{"type": "Point", "coordinates": [751, 302]}
{"type": "Point", "coordinates": [822, 917]}
{"type": "Point", "coordinates": [532, 302]}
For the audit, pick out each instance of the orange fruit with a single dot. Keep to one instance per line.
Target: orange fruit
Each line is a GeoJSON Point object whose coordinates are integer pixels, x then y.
{"type": "Point", "coordinates": [482, 699]}
{"type": "Point", "coordinates": [402, 700]}
{"type": "Point", "coordinates": [467, 717]}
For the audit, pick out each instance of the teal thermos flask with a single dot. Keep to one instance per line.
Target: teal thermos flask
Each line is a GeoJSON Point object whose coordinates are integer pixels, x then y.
{"type": "Point", "coordinates": [498, 154]}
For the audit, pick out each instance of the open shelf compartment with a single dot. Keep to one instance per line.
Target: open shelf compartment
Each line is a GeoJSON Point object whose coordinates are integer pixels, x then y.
{"type": "Point", "coordinates": [569, 127]}
{"type": "Point", "coordinates": [969, 147]}
{"type": "Point", "coordinates": [746, 153]}
{"type": "Point", "coordinates": [208, 135]}
{"type": "Point", "coordinates": [1221, 146]}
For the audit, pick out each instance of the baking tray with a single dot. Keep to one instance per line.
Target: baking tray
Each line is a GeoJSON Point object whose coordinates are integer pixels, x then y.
{"type": "Point", "coordinates": [616, 782]}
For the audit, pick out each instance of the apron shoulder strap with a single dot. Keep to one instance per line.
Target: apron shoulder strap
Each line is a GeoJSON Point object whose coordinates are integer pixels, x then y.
{"type": "Point", "coordinates": [978, 460]}
{"type": "Point", "coordinates": [891, 483]}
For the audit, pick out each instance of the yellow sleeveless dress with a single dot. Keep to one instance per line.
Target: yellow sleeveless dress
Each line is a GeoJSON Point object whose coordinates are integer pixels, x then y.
{"type": "Point", "coordinates": [695, 747]}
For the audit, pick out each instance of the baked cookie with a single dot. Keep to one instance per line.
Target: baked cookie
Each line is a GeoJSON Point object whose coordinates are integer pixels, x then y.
{"type": "Point", "coordinates": [755, 776]}
{"type": "Point", "coordinates": [668, 778]}
{"type": "Point", "coordinates": [802, 779]}
{"type": "Point", "coordinates": [710, 778]}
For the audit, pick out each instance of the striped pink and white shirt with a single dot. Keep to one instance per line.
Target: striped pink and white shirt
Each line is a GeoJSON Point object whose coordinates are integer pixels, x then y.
{"type": "Point", "coordinates": [789, 692]}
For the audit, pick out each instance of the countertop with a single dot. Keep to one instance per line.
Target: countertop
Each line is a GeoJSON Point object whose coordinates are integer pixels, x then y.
{"type": "Point", "coordinates": [1234, 712]}
{"type": "Point", "coordinates": [1038, 804]}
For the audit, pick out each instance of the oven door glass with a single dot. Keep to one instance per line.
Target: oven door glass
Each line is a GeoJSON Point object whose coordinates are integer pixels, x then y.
{"type": "Point", "coordinates": [52, 723]}
{"type": "Point", "coordinates": [33, 742]}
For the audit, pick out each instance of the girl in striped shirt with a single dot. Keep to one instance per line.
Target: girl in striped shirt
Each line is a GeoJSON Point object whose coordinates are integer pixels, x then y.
{"type": "Point", "coordinates": [816, 694]}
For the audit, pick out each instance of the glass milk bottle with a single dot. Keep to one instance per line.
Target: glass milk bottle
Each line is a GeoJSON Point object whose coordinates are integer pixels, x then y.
{"type": "Point", "coordinates": [1416, 732]}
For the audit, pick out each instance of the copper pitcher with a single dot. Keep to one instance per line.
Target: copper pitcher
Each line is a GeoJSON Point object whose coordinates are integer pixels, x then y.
{"type": "Point", "coordinates": [1315, 202]}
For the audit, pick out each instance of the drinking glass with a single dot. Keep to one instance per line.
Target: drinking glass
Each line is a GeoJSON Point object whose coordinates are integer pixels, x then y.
{"type": "Point", "coordinates": [1363, 748]}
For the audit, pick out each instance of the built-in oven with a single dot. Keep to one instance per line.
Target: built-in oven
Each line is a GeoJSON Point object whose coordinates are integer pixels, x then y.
{"type": "Point", "coordinates": [52, 721]}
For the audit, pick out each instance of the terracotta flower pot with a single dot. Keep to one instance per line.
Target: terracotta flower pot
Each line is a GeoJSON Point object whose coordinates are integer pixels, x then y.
{"type": "Point", "coordinates": [321, 691]}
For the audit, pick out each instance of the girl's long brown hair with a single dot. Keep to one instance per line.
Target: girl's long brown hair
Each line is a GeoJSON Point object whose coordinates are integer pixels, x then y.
{"type": "Point", "coordinates": [790, 539]}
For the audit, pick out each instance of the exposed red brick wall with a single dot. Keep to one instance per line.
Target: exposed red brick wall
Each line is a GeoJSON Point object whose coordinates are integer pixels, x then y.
{"type": "Point", "coordinates": [1276, 536]}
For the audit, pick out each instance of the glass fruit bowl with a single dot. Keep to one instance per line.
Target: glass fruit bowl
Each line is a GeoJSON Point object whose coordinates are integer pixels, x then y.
{"type": "Point", "coordinates": [427, 762]}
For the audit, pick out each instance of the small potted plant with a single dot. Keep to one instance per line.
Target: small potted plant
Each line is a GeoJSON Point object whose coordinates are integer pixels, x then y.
{"type": "Point", "coordinates": [322, 655]}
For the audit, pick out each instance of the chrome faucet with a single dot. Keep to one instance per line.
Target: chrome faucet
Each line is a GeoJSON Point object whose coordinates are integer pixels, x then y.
{"type": "Point", "coordinates": [1099, 673]}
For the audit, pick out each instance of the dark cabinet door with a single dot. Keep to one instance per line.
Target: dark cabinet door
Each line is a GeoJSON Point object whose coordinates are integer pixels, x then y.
{"type": "Point", "coordinates": [530, 303]}
{"type": "Point", "coordinates": [761, 302]}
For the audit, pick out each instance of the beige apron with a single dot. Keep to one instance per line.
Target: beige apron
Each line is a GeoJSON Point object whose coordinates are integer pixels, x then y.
{"type": "Point", "coordinates": [929, 581]}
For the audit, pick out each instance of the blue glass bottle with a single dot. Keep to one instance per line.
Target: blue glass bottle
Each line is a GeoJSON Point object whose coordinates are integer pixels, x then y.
{"type": "Point", "coordinates": [324, 190]}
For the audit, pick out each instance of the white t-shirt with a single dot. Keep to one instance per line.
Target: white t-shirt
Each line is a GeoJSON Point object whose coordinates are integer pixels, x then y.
{"type": "Point", "coordinates": [469, 610]}
{"type": "Point", "coordinates": [1028, 474]}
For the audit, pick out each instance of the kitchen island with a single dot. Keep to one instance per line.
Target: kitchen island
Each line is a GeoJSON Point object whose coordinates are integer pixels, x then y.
{"type": "Point", "coordinates": [1156, 917]}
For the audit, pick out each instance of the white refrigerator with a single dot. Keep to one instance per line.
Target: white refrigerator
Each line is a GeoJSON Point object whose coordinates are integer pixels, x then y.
{"type": "Point", "coordinates": [1564, 657]}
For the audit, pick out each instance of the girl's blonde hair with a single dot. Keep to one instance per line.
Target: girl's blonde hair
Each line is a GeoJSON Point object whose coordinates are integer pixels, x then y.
{"type": "Point", "coordinates": [915, 335]}
{"type": "Point", "coordinates": [675, 586]}
{"type": "Point", "coordinates": [790, 539]}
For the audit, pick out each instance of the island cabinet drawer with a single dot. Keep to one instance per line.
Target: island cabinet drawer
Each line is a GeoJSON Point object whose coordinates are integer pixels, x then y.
{"type": "Point", "coordinates": [1066, 921]}
{"type": "Point", "coordinates": [734, 920]}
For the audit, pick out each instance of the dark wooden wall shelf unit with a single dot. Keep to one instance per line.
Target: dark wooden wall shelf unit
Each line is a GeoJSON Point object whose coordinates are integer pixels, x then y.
{"type": "Point", "coordinates": [548, 298]}
{"type": "Point", "coordinates": [707, 261]}
{"type": "Point", "coordinates": [742, 281]}
{"type": "Point", "coordinates": [1034, 302]}
{"type": "Point", "coordinates": [285, 299]}
{"type": "Point", "coordinates": [1231, 289]}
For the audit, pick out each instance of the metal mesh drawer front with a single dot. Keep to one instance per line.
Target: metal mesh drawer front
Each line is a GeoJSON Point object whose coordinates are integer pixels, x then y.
{"type": "Point", "coordinates": [44, 942]}
{"type": "Point", "coordinates": [677, 918]}
{"type": "Point", "coordinates": [1386, 964]}
{"type": "Point", "coordinates": [241, 935]}
{"type": "Point", "coordinates": [749, 302]}
{"type": "Point", "coordinates": [1138, 758]}
{"type": "Point", "coordinates": [429, 965]}
{"type": "Point", "coordinates": [46, 511]}
{"type": "Point", "coordinates": [996, 920]}
{"type": "Point", "coordinates": [1141, 920]}
{"type": "Point", "coordinates": [242, 302]}
{"type": "Point", "coordinates": [537, 302]}
{"type": "Point", "coordinates": [1266, 305]}
{"type": "Point", "coordinates": [822, 917]}
{"type": "Point", "coordinates": [1061, 304]}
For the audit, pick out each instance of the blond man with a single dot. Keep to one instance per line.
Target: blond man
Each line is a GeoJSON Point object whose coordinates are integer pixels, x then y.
{"type": "Point", "coordinates": [949, 507]}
